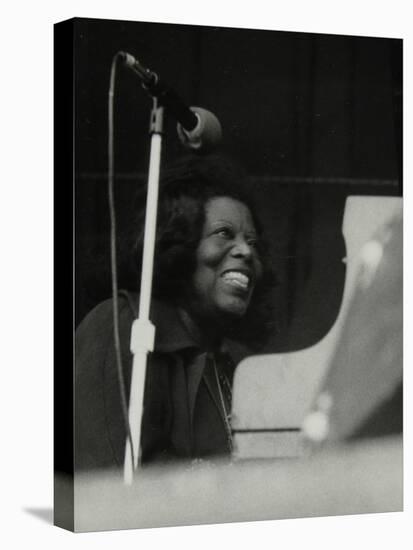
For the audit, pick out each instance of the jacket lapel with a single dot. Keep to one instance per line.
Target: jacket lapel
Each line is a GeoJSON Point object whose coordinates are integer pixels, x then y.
{"type": "Point", "coordinates": [195, 371]}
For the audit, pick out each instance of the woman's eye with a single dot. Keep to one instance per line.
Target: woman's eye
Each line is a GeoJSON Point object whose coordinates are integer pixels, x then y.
{"type": "Point", "coordinates": [224, 232]}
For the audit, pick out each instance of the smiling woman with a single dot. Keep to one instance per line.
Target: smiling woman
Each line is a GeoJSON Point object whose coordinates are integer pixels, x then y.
{"type": "Point", "coordinates": [210, 280]}
{"type": "Point", "coordinates": [228, 263]}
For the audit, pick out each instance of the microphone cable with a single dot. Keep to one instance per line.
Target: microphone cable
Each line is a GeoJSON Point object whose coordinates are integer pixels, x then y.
{"type": "Point", "coordinates": [113, 252]}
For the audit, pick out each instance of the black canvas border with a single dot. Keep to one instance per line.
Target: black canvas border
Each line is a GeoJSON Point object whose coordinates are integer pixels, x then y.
{"type": "Point", "coordinates": [64, 102]}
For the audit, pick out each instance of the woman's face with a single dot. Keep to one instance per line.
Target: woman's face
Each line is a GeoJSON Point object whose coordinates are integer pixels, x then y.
{"type": "Point", "coordinates": [227, 261]}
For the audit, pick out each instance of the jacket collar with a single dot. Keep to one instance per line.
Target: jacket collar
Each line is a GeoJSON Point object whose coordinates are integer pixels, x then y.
{"type": "Point", "coordinates": [171, 334]}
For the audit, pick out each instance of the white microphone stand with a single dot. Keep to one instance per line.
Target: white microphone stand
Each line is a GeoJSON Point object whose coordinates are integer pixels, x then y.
{"type": "Point", "coordinates": [143, 331]}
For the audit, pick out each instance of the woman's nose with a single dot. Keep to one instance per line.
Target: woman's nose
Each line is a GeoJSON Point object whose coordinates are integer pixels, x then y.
{"type": "Point", "coordinates": [241, 248]}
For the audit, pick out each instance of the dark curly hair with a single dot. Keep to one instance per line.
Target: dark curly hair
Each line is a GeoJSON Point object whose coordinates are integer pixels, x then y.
{"type": "Point", "coordinates": [185, 188]}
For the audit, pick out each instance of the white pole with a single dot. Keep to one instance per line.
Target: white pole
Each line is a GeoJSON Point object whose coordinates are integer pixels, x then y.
{"type": "Point", "coordinates": [143, 331]}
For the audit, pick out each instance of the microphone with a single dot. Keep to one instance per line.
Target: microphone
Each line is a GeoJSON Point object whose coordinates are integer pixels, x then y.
{"type": "Point", "coordinates": [198, 129]}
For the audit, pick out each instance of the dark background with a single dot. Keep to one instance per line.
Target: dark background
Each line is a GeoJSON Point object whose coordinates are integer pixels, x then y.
{"type": "Point", "coordinates": [313, 118]}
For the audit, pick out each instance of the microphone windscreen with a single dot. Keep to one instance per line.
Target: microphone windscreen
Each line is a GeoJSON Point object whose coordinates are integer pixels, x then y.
{"type": "Point", "coordinates": [206, 135]}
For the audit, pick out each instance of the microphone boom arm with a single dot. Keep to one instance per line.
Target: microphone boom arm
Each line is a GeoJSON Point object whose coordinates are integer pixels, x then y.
{"type": "Point", "coordinates": [166, 96]}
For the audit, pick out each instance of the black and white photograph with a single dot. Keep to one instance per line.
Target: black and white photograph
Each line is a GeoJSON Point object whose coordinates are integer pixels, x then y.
{"type": "Point", "coordinates": [205, 240]}
{"type": "Point", "coordinates": [237, 276]}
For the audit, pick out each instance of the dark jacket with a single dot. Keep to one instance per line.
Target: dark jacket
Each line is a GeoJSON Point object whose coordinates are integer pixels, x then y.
{"type": "Point", "coordinates": [183, 416]}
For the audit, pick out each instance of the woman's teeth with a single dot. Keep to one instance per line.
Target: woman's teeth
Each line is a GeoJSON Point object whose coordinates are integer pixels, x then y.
{"type": "Point", "coordinates": [236, 278]}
